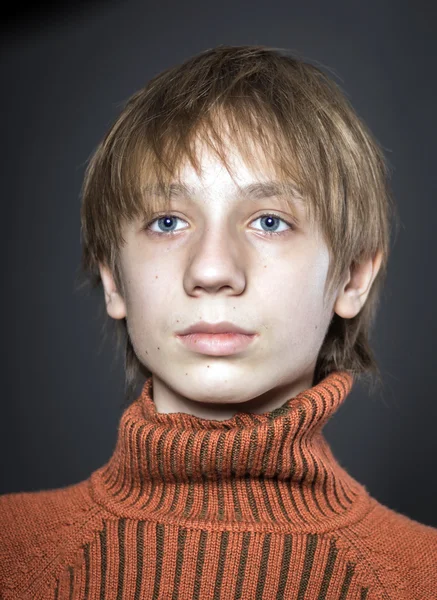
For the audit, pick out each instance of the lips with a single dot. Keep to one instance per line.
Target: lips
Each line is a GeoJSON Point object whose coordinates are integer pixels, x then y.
{"type": "Point", "coordinates": [222, 327]}
{"type": "Point", "coordinates": [217, 344]}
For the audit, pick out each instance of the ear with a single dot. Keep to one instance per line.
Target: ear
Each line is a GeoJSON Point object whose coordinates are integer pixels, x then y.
{"type": "Point", "coordinates": [115, 304]}
{"type": "Point", "coordinates": [353, 294]}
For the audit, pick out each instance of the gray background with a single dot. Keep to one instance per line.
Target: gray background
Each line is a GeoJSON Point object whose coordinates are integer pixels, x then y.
{"type": "Point", "coordinates": [65, 76]}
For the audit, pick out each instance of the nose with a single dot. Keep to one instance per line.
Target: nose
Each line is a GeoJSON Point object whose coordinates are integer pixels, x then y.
{"type": "Point", "coordinates": [218, 262]}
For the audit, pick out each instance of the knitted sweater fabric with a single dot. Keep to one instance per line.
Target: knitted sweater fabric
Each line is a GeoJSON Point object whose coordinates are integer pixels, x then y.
{"type": "Point", "coordinates": [254, 507]}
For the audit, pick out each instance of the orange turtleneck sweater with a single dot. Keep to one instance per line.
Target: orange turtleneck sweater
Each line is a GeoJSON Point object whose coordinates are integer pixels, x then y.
{"type": "Point", "coordinates": [254, 507]}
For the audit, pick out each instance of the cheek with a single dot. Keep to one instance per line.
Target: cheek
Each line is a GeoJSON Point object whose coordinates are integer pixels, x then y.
{"type": "Point", "coordinates": [297, 304]}
{"type": "Point", "coordinates": [149, 293]}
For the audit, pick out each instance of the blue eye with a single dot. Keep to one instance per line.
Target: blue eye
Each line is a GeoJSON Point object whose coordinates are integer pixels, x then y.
{"type": "Point", "coordinates": [271, 219]}
{"type": "Point", "coordinates": [165, 220]}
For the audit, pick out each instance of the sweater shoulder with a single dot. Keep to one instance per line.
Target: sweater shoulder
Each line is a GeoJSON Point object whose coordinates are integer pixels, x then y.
{"type": "Point", "coordinates": [400, 551]}
{"type": "Point", "coordinates": [38, 529]}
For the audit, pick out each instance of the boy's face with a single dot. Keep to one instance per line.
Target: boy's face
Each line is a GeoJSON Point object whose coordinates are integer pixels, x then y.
{"type": "Point", "coordinates": [222, 265]}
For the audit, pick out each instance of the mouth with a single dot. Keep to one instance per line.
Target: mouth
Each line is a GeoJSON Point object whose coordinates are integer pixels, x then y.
{"type": "Point", "coordinates": [222, 327]}
{"type": "Point", "coordinates": [217, 344]}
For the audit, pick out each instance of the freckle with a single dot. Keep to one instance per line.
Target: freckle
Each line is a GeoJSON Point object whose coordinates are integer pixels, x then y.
{"type": "Point", "coordinates": [186, 373]}
{"type": "Point", "coordinates": [156, 276]}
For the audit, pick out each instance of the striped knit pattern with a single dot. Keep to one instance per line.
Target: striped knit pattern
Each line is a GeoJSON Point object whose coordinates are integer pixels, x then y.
{"type": "Point", "coordinates": [254, 507]}
{"type": "Point", "coordinates": [273, 469]}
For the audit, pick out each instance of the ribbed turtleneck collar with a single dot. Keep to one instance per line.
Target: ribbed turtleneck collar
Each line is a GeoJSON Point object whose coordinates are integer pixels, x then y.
{"type": "Point", "coordinates": [273, 470]}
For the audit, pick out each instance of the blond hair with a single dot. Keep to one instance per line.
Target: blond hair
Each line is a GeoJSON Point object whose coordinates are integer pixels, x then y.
{"type": "Point", "coordinates": [310, 135]}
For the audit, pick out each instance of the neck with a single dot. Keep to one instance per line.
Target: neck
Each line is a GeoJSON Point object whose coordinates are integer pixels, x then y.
{"type": "Point", "coordinates": [272, 469]}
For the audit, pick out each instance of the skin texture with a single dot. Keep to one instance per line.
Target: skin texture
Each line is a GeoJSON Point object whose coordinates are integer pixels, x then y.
{"type": "Point", "coordinates": [222, 265]}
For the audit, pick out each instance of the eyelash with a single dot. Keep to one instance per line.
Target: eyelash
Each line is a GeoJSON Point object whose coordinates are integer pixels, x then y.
{"type": "Point", "coordinates": [269, 233]}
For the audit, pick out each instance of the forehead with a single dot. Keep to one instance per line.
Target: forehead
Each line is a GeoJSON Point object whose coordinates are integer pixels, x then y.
{"type": "Point", "coordinates": [213, 171]}
{"type": "Point", "coordinates": [237, 178]}
{"type": "Point", "coordinates": [238, 170]}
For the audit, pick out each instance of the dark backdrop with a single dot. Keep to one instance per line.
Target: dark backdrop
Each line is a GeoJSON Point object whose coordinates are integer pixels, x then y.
{"type": "Point", "coordinates": [64, 76]}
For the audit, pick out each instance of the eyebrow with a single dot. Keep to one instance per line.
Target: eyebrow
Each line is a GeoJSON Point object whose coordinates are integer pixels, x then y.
{"type": "Point", "coordinates": [257, 190]}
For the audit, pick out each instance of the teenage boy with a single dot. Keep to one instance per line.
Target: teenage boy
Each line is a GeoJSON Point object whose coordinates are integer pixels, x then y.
{"type": "Point", "coordinates": [237, 218]}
